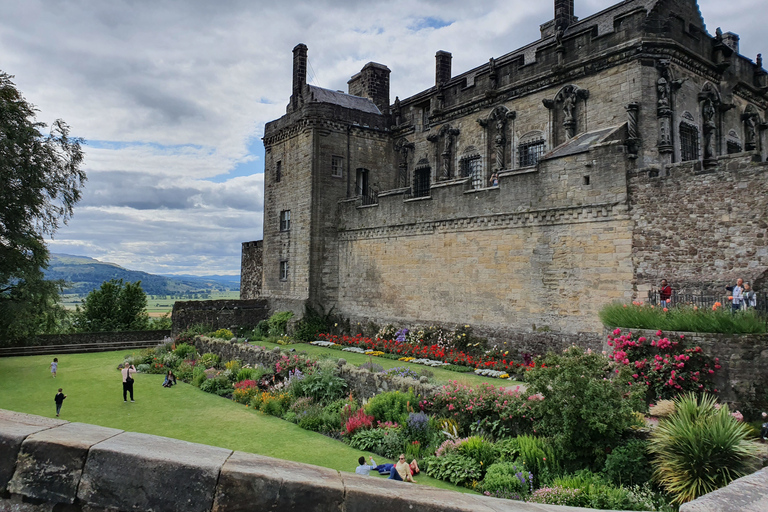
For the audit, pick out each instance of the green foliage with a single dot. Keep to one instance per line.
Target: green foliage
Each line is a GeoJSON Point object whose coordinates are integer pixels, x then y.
{"type": "Point", "coordinates": [40, 182]}
{"type": "Point", "coordinates": [455, 468]}
{"type": "Point", "coordinates": [250, 374]}
{"type": "Point", "coordinates": [116, 306]}
{"type": "Point", "coordinates": [699, 448]}
{"type": "Point", "coordinates": [369, 440]}
{"type": "Point", "coordinates": [322, 386]}
{"type": "Point", "coordinates": [481, 450]}
{"type": "Point", "coordinates": [538, 454]}
{"type": "Point", "coordinates": [222, 334]}
{"type": "Point", "coordinates": [184, 371]}
{"type": "Point", "coordinates": [278, 322]}
{"type": "Point", "coordinates": [629, 464]}
{"type": "Point", "coordinates": [313, 323]}
{"type": "Point", "coordinates": [682, 318]}
{"type": "Point", "coordinates": [217, 385]}
{"type": "Point", "coordinates": [198, 375]}
{"type": "Point", "coordinates": [457, 368]}
{"type": "Point", "coordinates": [161, 323]}
{"type": "Point", "coordinates": [594, 492]}
{"type": "Point", "coordinates": [393, 443]}
{"type": "Point", "coordinates": [188, 335]}
{"type": "Point", "coordinates": [185, 351]}
{"type": "Point", "coordinates": [508, 477]}
{"type": "Point", "coordinates": [391, 406]}
{"type": "Point", "coordinates": [209, 360]}
{"type": "Point", "coordinates": [171, 360]}
{"type": "Point", "coordinates": [584, 410]}
{"type": "Point", "coordinates": [467, 342]}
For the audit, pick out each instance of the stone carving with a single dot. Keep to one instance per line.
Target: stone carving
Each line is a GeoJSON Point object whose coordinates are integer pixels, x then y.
{"type": "Point", "coordinates": [567, 98]}
{"type": "Point", "coordinates": [396, 110]}
{"type": "Point", "coordinates": [751, 120]}
{"type": "Point", "coordinates": [710, 104]}
{"type": "Point", "coordinates": [759, 60]}
{"type": "Point", "coordinates": [402, 148]}
{"type": "Point", "coordinates": [665, 86]}
{"type": "Point", "coordinates": [497, 120]}
{"type": "Point", "coordinates": [662, 89]}
{"type": "Point", "coordinates": [447, 135]}
{"type": "Point", "coordinates": [633, 139]}
{"type": "Point", "coordinates": [492, 82]}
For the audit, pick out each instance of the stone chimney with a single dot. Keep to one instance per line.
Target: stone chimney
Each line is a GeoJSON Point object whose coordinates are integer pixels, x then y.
{"type": "Point", "coordinates": [564, 14]}
{"type": "Point", "coordinates": [372, 82]}
{"type": "Point", "coordinates": [442, 67]}
{"type": "Point", "coordinates": [299, 75]}
{"type": "Point", "coordinates": [731, 40]}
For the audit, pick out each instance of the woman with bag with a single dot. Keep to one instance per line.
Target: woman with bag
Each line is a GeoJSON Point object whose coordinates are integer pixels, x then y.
{"type": "Point", "coordinates": [127, 371]}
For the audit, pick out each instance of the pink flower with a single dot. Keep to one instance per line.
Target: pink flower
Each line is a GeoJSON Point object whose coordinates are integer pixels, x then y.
{"type": "Point", "coordinates": [616, 331]}
{"type": "Point", "coordinates": [658, 333]}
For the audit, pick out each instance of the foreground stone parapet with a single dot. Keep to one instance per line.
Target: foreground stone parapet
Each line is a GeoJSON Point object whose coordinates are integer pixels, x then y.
{"type": "Point", "coordinates": [253, 482]}
{"type": "Point", "coordinates": [747, 494]}
{"type": "Point", "coordinates": [51, 462]}
{"type": "Point", "coordinates": [142, 472]}
{"type": "Point", "coordinates": [14, 428]}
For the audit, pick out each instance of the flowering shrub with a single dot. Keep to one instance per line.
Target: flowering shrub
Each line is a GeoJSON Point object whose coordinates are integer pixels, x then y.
{"type": "Point", "coordinates": [665, 367]}
{"type": "Point", "coordinates": [402, 371]}
{"type": "Point", "coordinates": [450, 446]}
{"type": "Point", "coordinates": [286, 364]}
{"type": "Point", "coordinates": [508, 478]}
{"type": "Point", "coordinates": [244, 391]}
{"type": "Point", "coordinates": [357, 421]}
{"type": "Point", "coordinates": [556, 495]}
{"type": "Point", "coordinates": [497, 411]}
{"type": "Point", "coordinates": [223, 334]}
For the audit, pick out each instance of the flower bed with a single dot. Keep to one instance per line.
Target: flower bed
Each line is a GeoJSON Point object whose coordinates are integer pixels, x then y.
{"type": "Point", "coordinates": [496, 363]}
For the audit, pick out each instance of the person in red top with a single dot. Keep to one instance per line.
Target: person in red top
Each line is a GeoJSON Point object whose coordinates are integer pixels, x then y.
{"type": "Point", "coordinates": [665, 293]}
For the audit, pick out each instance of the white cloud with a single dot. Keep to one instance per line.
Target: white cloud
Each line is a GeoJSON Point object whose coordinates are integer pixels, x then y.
{"type": "Point", "coordinates": [174, 94]}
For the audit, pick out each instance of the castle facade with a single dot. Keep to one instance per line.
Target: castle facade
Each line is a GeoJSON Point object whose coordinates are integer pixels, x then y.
{"type": "Point", "coordinates": [581, 169]}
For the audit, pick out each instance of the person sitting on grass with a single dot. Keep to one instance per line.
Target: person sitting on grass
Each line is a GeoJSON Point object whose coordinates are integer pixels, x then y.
{"type": "Point", "coordinates": [170, 379]}
{"type": "Point", "coordinates": [402, 470]}
{"type": "Point", "coordinates": [363, 468]}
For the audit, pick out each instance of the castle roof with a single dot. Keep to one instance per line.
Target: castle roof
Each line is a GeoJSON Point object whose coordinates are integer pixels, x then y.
{"type": "Point", "coordinates": [320, 95]}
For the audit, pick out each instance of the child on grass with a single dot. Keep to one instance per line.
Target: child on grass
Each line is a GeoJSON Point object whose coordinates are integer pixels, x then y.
{"type": "Point", "coordinates": [59, 399]}
{"type": "Point", "coordinates": [54, 366]}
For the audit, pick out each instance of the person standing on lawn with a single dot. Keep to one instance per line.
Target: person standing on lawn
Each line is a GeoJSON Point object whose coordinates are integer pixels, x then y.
{"type": "Point", "coordinates": [127, 373]}
{"type": "Point", "coordinates": [59, 399]}
{"type": "Point", "coordinates": [54, 366]}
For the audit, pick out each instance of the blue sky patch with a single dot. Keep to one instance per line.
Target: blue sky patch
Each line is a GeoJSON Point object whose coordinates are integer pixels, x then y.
{"type": "Point", "coordinates": [429, 22]}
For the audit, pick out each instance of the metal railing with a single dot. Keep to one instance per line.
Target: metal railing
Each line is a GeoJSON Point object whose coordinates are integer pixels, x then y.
{"type": "Point", "coordinates": [370, 196]}
{"type": "Point", "coordinates": [707, 301]}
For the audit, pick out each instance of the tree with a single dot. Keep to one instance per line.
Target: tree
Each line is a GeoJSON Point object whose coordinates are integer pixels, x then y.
{"type": "Point", "coordinates": [40, 182]}
{"type": "Point", "coordinates": [113, 307]}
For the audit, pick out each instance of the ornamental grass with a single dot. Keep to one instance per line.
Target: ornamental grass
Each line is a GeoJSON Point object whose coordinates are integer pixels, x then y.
{"type": "Point", "coordinates": [700, 448]}
{"type": "Point", "coordinates": [717, 319]}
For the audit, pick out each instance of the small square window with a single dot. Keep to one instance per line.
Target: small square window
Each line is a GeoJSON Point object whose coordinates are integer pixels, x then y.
{"type": "Point", "coordinates": [586, 180]}
{"type": "Point", "coordinates": [284, 270]}
{"type": "Point", "coordinates": [337, 166]}
{"type": "Point", "coordinates": [278, 171]}
{"type": "Point", "coordinates": [285, 220]}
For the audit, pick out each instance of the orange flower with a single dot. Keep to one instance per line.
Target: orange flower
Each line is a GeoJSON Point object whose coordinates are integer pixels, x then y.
{"type": "Point", "coordinates": [730, 297]}
{"type": "Point", "coordinates": [665, 310]}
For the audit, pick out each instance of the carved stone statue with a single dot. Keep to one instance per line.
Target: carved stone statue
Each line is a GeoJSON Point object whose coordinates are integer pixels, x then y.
{"type": "Point", "coordinates": [493, 83]}
{"type": "Point", "coordinates": [759, 60]}
{"type": "Point", "coordinates": [499, 141]}
{"type": "Point", "coordinates": [396, 110]}
{"type": "Point", "coordinates": [662, 89]}
{"type": "Point", "coordinates": [403, 147]}
{"type": "Point", "coordinates": [751, 120]}
{"type": "Point", "coordinates": [710, 129]}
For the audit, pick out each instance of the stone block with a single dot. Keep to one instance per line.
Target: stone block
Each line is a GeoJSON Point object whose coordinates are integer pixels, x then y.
{"type": "Point", "coordinates": [14, 428]}
{"type": "Point", "coordinates": [142, 472]}
{"type": "Point", "coordinates": [51, 461]}
{"type": "Point", "coordinates": [747, 494]}
{"type": "Point", "coordinates": [254, 482]}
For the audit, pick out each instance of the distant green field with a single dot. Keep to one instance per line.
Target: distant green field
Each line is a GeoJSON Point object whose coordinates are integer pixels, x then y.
{"type": "Point", "coordinates": [158, 305]}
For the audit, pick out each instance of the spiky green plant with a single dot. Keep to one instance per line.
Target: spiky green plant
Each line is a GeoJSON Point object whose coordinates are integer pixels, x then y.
{"type": "Point", "coordinates": [699, 448]}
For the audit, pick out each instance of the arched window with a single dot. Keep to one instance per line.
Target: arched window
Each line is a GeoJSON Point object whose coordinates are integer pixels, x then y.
{"type": "Point", "coordinates": [421, 178]}
{"type": "Point", "coordinates": [733, 143]}
{"type": "Point", "coordinates": [471, 166]}
{"type": "Point", "coordinates": [531, 147]}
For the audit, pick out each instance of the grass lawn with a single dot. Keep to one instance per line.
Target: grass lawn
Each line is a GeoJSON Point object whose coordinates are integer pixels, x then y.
{"type": "Point", "coordinates": [94, 395]}
{"type": "Point", "coordinates": [356, 359]}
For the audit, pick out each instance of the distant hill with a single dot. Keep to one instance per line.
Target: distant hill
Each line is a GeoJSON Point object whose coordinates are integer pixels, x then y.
{"type": "Point", "coordinates": [86, 274]}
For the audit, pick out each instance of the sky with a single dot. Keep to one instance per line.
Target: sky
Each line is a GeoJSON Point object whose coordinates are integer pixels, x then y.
{"type": "Point", "coordinates": [171, 98]}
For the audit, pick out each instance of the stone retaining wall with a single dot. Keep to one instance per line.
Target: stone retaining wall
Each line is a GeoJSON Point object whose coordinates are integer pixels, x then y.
{"type": "Point", "coordinates": [743, 357]}
{"type": "Point", "coordinates": [747, 494]}
{"type": "Point", "coordinates": [363, 383]}
{"type": "Point", "coordinates": [94, 337]}
{"type": "Point", "coordinates": [219, 314]}
{"type": "Point", "coordinates": [47, 464]}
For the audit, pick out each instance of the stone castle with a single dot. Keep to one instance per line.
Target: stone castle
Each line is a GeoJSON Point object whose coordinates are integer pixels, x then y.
{"type": "Point", "coordinates": [529, 191]}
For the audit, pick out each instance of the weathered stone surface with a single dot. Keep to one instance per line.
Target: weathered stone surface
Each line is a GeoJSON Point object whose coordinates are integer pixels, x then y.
{"type": "Point", "coordinates": [14, 428]}
{"type": "Point", "coordinates": [141, 472]}
{"type": "Point", "coordinates": [747, 494]}
{"type": "Point", "coordinates": [51, 461]}
{"type": "Point", "coordinates": [253, 482]}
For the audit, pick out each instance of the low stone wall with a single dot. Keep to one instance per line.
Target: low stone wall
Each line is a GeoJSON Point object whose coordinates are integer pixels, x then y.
{"type": "Point", "coordinates": [363, 383]}
{"type": "Point", "coordinates": [94, 337]}
{"type": "Point", "coordinates": [747, 494]}
{"type": "Point", "coordinates": [219, 314]}
{"type": "Point", "coordinates": [743, 357]}
{"type": "Point", "coordinates": [48, 464]}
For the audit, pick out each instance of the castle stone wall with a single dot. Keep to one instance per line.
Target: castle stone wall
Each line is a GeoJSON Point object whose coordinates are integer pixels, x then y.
{"type": "Point", "coordinates": [219, 314]}
{"type": "Point", "coordinates": [700, 229]}
{"type": "Point", "coordinates": [251, 269]}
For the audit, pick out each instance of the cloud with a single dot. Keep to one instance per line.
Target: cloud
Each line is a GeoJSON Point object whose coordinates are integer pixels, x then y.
{"type": "Point", "coordinates": [174, 95]}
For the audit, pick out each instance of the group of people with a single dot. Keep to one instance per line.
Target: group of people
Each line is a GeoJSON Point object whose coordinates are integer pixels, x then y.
{"type": "Point", "coordinates": [742, 295]}
{"type": "Point", "coordinates": [401, 470]}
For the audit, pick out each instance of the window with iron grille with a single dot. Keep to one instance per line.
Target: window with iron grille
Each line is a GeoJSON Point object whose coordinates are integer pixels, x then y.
{"type": "Point", "coordinates": [689, 142]}
{"type": "Point", "coordinates": [421, 182]}
{"type": "Point", "coordinates": [529, 152]}
{"type": "Point", "coordinates": [278, 171]}
{"type": "Point", "coordinates": [284, 270]}
{"type": "Point", "coordinates": [733, 147]}
{"type": "Point", "coordinates": [337, 166]}
{"type": "Point", "coordinates": [285, 220]}
{"type": "Point", "coordinates": [471, 168]}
